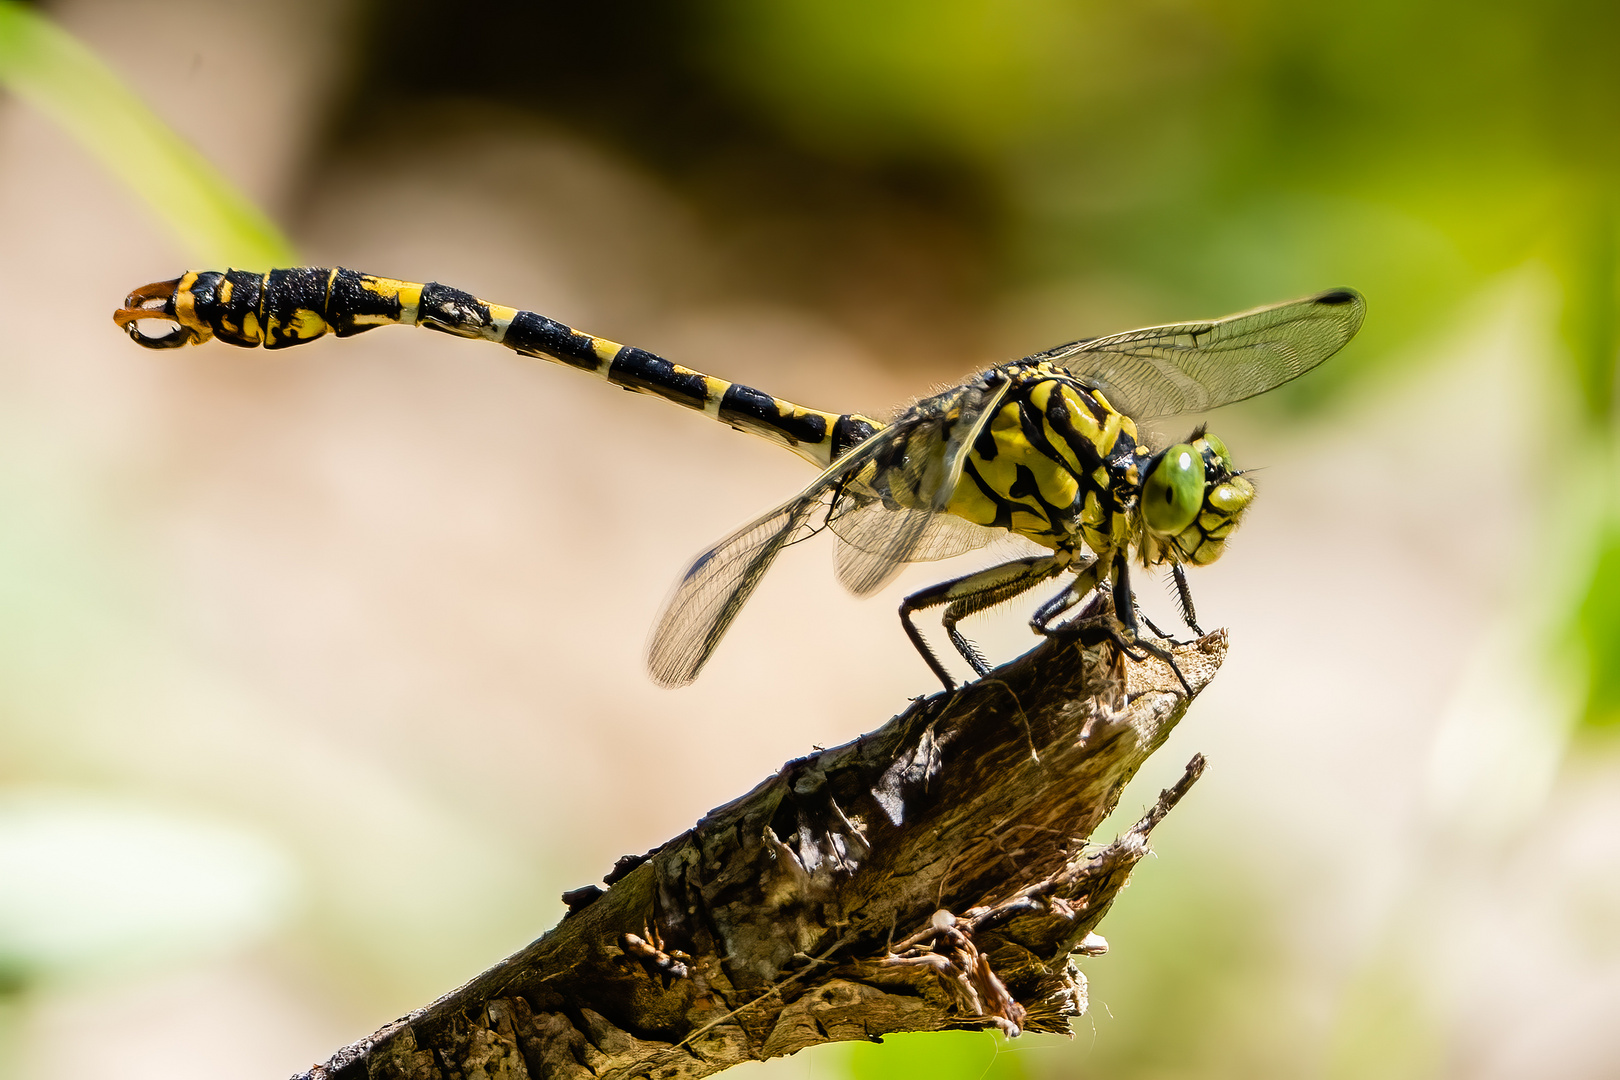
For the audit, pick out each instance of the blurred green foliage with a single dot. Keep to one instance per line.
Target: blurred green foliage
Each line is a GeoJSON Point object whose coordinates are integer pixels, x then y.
{"type": "Point", "coordinates": [1199, 993]}
{"type": "Point", "coordinates": [1592, 304]}
{"type": "Point", "coordinates": [1599, 626]}
{"type": "Point", "coordinates": [1386, 1025]}
{"type": "Point", "coordinates": [53, 72]}
{"type": "Point", "coordinates": [943, 1055]}
{"type": "Point", "coordinates": [1225, 150]}
{"type": "Point", "coordinates": [1191, 1000]}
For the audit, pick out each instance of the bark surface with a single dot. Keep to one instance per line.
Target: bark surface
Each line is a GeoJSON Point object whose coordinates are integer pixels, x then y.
{"type": "Point", "coordinates": [933, 874]}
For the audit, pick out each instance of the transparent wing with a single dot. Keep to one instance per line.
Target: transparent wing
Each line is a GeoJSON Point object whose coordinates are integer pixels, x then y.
{"type": "Point", "coordinates": [899, 507]}
{"type": "Point", "coordinates": [720, 581]}
{"type": "Point", "coordinates": [1190, 367]}
{"type": "Point", "coordinates": [899, 537]}
{"type": "Point", "coordinates": [863, 526]}
{"type": "Point", "coordinates": [716, 587]}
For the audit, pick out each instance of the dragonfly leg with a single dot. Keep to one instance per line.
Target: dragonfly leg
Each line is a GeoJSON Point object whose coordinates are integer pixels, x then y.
{"type": "Point", "coordinates": [1084, 584]}
{"type": "Point", "coordinates": [1121, 629]}
{"type": "Point", "coordinates": [1184, 597]}
{"type": "Point", "coordinates": [1124, 597]}
{"type": "Point", "coordinates": [967, 595]}
{"type": "Point", "coordinates": [1089, 630]}
{"type": "Point", "coordinates": [1125, 609]}
{"type": "Point", "coordinates": [1184, 601]}
{"type": "Point", "coordinates": [1153, 626]}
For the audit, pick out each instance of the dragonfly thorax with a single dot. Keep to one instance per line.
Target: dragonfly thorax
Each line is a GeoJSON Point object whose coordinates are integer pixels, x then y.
{"type": "Point", "coordinates": [1055, 463]}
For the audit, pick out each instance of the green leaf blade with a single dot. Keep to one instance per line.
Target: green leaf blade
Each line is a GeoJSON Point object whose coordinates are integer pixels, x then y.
{"type": "Point", "coordinates": [52, 71]}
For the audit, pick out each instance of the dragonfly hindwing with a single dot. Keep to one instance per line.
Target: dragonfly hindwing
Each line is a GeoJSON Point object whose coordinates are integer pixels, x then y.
{"type": "Point", "coordinates": [893, 512]}
{"type": "Point", "coordinates": [720, 581]}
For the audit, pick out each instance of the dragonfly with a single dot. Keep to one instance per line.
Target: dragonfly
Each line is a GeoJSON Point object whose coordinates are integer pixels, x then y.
{"type": "Point", "coordinates": [1046, 448]}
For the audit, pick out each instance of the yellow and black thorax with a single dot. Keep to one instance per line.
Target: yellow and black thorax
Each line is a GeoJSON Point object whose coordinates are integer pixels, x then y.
{"type": "Point", "coordinates": [1055, 463]}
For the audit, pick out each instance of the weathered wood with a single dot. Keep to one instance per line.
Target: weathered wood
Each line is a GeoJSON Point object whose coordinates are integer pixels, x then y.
{"type": "Point", "coordinates": [933, 874]}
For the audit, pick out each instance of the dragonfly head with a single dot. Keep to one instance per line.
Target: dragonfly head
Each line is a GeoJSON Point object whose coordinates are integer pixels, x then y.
{"type": "Point", "coordinates": [1192, 498]}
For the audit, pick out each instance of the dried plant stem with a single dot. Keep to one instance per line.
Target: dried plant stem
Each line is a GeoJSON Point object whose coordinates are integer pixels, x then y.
{"type": "Point", "coordinates": [933, 874]}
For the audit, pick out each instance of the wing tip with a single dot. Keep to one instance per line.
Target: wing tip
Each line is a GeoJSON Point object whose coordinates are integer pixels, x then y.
{"type": "Point", "coordinates": [1348, 308]}
{"type": "Point", "coordinates": [671, 673]}
{"type": "Point", "coordinates": [1341, 295]}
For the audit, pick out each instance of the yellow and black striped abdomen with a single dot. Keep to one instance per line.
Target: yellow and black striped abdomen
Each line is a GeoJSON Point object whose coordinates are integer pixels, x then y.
{"type": "Point", "coordinates": [289, 307]}
{"type": "Point", "coordinates": [1056, 463]}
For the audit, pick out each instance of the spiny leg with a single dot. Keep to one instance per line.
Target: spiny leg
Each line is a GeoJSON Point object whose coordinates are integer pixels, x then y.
{"type": "Point", "coordinates": [1153, 626]}
{"type": "Point", "coordinates": [1089, 631]}
{"type": "Point", "coordinates": [1184, 601]}
{"type": "Point", "coordinates": [973, 603]}
{"type": "Point", "coordinates": [1125, 609]}
{"type": "Point", "coordinates": [1184, 595]}
{"type": "Point", "coordinates": [968, 594]}
{"type": "Point", "coordinates": [1084, 584]}
{"type": "Point", "coordinates": [1121, 629]}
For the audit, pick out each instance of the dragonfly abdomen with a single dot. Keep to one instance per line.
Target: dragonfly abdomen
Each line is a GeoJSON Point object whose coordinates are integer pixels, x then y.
{"type": "Point", "coordinates": [283, 308]}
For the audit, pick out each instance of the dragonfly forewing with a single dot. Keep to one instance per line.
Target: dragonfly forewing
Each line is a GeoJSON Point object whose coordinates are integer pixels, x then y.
{"type": "Point", "coordinates": [931, 446]}
{"type": "Point", "coordinates": [1192, 367]}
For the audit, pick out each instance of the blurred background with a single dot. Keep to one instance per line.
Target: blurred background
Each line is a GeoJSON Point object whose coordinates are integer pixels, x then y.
{"type": "Point", "coordinates": [321, 671]}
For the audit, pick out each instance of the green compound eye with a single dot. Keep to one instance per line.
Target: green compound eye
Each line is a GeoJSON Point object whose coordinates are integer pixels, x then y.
{"type": "Point", "coordinates": [1221, 452]}
{"type": "Point", "coordinates": [1174, 490]}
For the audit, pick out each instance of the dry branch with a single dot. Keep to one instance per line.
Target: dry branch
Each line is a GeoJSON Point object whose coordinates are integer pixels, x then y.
{"type": "Point", "coordinates": [933, 874]}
